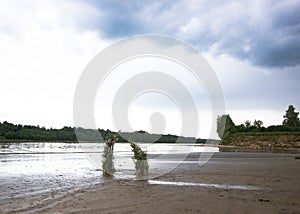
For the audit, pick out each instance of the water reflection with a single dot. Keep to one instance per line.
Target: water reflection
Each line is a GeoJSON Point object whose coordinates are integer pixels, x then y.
{"type": "Point", "coordinates": [49, 170]}
{"type": "Point", "coordinates": [216, 186]}
{"type": "Point", "coordinates": [41, 177]}
{"type": "Point", "coordinates": [38, 158]}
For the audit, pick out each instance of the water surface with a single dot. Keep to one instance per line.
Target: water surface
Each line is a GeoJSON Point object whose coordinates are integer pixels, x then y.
{"type": "Point", "coordinates": [51, 169]}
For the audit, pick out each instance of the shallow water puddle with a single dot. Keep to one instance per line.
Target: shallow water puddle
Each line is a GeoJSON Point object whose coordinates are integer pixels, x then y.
{"type": "Point", "coordinates": [216, 186]}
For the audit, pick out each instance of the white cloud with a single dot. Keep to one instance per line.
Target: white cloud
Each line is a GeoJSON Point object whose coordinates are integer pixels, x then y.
{"type": "Point", "coordinates": [45, 45]}
{"type": "Point", "coordinates": [267, 116]}
{"type": "Point", "coordinates": [147, 103]}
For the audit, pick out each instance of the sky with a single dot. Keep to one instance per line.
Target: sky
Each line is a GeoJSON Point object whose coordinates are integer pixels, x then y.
{"type": "Point", "coordinates": [253, 47]}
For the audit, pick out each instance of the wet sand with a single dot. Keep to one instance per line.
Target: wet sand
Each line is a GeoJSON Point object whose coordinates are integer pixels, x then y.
{"type": "Point", "coordinates": [275, 178]}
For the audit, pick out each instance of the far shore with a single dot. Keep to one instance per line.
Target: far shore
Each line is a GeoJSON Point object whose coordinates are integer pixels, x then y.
{"type": "Point", "coordinates": [222, 148]}
{"type": "Point", "coordinates": [254, 148]}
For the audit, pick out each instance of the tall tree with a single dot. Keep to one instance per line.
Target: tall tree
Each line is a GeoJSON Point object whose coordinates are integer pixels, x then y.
{"type": "Point", "coordinates": [225, 126]}
{"type": "Point", "coordinates": [291, 117]}
{"type": "Point", "coordinates": [247, 124]}
{"type": "Point", "coordinates": [258, 124]}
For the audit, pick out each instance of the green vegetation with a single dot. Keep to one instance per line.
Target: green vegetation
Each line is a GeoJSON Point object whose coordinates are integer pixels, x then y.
{"type": "Point", "coordinates": [225, 127]}
{"type": "Point", "coordinates": [291, 117]}
{"type": "Point", "coordinates": [140, 160]}
{"type": "Point", "coordinates": [110, 141]}
{"type": "Point", "coordinates": [139, 154]}
{"type": "Point", "coordinates": [11, 133]}
{"type": "Point", "coordinates": [19, 133]}
{"type": "Point", "coordinates": [247, 134]}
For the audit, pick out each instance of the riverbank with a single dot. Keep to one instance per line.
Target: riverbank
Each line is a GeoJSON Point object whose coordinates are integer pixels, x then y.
{"type": "Point", "coordinates": [259, 149]}
{"type": "Point", "coordinates": [266, 140]}
{"type": "Point", "coordinates": [275, 178]}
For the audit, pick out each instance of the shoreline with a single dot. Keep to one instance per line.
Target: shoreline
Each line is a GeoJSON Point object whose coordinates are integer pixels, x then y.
{"type": "Point", "coordinates": [222, 148]}
{"type": "Point", "coordinates": [254, 148]}
{"type": "Point", "coordinates": [276, 175]}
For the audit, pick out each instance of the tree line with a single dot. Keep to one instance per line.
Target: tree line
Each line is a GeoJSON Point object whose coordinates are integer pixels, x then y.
{"type": "Point", "coordinates": [225, 125]}
{"type": "Point", "coordinates": [12, 132]}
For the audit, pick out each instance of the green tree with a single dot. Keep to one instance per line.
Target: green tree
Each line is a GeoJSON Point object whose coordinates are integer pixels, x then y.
{"type": "Point", "coordinates": [241, 128]}
{"type": "Point", "coordinates": [291, 117]}
{"type": "Point", "coordinates": [247, 124]}
{"type": "Point", "coordinates": [225, 126]}
{"type": "Point", "coordinates": [258, 124]}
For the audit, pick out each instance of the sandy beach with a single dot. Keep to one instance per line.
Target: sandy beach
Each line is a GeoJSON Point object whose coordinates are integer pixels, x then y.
{"type": "Point", "coordinates": [220, 186]}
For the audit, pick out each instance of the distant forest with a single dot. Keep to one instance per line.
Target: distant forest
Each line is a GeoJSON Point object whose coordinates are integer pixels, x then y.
{"type": "Point", "coordinates": [226, 127]}
{"type": "Point", "coordinates": [16, 133]}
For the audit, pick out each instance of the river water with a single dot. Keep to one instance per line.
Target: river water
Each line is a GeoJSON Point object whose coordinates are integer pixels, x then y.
{"type": "Point", "coordinates": [53, 169]}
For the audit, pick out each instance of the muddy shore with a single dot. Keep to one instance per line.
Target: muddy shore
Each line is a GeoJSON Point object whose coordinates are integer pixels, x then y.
{"type": "Point", "coordinates": [190, 190]}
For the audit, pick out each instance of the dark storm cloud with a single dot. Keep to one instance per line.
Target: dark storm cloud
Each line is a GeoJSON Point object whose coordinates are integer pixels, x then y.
{"type": "Point", "coordinates": [127, 18]}
{"type": "Point", "coordinates": [267, 33]}
{"type": "Point", "coordinates": [279, 45]}
{"type": "Point", "coordinates": [119, 19]}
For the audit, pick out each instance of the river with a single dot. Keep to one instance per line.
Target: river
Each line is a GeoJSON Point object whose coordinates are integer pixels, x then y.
{"type": "Point", "coordinates": [54, 169]}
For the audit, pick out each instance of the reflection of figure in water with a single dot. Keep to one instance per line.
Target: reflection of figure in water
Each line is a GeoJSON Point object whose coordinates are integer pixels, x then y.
{"type": "Point", "coordinates": [108, 163]}
{"type": "Point", "coordinates": [140, 160]}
